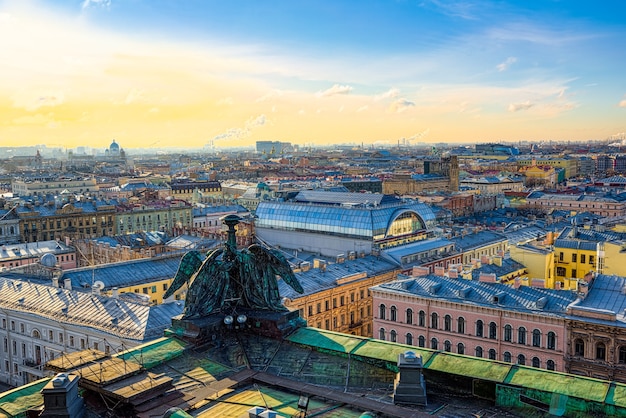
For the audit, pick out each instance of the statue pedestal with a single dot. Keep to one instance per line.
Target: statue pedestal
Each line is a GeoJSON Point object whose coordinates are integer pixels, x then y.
{"type": "Point", "coordinates": [210, 328]}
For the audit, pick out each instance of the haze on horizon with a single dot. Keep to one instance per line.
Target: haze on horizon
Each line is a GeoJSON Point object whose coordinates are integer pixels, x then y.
{"type": "Point", "coordinates": [170, 73]}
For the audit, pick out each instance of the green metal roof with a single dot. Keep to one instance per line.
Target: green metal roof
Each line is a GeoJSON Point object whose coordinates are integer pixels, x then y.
{"type": "Point", "coordinates": [327, 340]}
{"type": "Point", "coordinates": [386, 351]}
{"type": "Point", "coordinates": [19, 400]}
{"type": "Point", "coordinates": [154, 352]}
{"type": "Point", "coordinates": [468, 366]}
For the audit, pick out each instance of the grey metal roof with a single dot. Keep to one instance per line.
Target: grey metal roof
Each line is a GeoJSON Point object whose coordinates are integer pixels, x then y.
{"type": "Point", "coordinates": [508, 266]}
{"type": "Point", "coordinates": [477, 240]}
{"type": "Point", "coordinates": [396, 253]}
{"type": "Point", "coordinates": [472, 292]}
{"type": "Point", "coordinates": [606, 293]}
{"type": "Point", "coordinates": [575, 244]}
{"type": "Point", "coordinates": [112, 316]}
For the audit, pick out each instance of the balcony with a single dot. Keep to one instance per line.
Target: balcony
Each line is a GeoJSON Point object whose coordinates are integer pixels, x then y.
{"type": "Point", "coordinates": [356, 324]}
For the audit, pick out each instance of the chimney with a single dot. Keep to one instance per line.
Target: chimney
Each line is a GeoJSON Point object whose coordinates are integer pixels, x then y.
{"type": "Point", "coordinates": [60, 397]}
{"type": "Point", "coordinates": [487, 278]}
{"type": "Point", "coordinates": [484, 259]}
{"type": "Point", "coordinates": [419, 271]}
{"type": "Point", "coordinates": [453, 274]}
{"type": "Point", "coordinates": [55, 281]}
{"type": "Point", "coordinates": [497, 260]}
{"type": "Point", "coordinates": [517, 282]}
{"type": "Point", "coordinates": [341, 258]}
{"type": "Point", "coordinates": [439, 271]}
{"type": "Point", "coordinates": [67, 284]}
{"type": "Point", "coordinates": [540, 283]}
{"type": "Point", "coordinates": [115, 293]}
{"type": "Point", "coordinates": [558, 285]}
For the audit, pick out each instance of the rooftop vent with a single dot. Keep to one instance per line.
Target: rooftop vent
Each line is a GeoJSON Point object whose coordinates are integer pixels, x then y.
{"type": "Point", "coordinates": [541, 302]}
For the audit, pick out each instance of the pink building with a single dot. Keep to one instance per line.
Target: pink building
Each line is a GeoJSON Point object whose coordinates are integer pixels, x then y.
{"type": "Point", "coordinates": [18, 255]}
{"type": "Point", "coordinates": [480, 318]}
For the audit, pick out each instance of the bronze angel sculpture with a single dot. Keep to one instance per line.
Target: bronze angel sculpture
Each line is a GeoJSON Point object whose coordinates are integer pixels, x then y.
{"type": "Point", "coordinates": [247, 277]}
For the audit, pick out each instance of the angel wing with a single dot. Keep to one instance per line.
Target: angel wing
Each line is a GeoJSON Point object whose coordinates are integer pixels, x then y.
{"type": "Point", "coordinates": [278, 264]}
{"type": "Point", "coordinates": [189, 264]}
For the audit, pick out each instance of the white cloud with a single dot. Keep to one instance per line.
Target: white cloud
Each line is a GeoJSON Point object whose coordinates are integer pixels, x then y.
{"type": "Point", "coordinates": [270, 95]}
{"type": "Point", "coordinates": [32, 100]}
{"type": "Point", "coordinates": [516, 107]}
{"type": "Point", "coordinates": [622, 103]}
{"type": "Point", "coordinates": [392, 93]}
{"type": "Point", "coordinates": [96, 3]}
{"type": "Point", "coordinates": [225, 101]}
{"type": "Point", "coordinates": [503, 66]}
{"type": "Point", "coordinates": [401, 105]}
{"type": "Point", "coordinates": [334, 90]}
{"type": "Point", "coordinates": [256, 122]}
{"type": "Point", "coordinates": [362, 108]}
{"type": "Point", "coordinates": [235, 134]}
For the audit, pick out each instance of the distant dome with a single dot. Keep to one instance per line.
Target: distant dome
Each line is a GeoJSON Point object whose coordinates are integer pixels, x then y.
{"type": "Point", "coordinates": [114, 147]}
{"type": "Point", "coordinates": [48, 260]}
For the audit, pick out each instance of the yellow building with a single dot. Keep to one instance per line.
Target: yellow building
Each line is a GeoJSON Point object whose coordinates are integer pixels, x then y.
{"type": "Point", "coordinates": [539, 175]}
{"type": "Point", "coordinates": [612, 258]}
{"type": "Point", "coordinates": [574, 258]}
{"type": "Point", "coordinates": [570, 165]}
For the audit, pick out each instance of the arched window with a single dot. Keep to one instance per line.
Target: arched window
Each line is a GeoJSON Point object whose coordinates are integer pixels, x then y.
{"type": "Point", "coordinates": [536, 338]}
{"type": "Point", "coordinates": [508, 333]}
{"type": "Point", "coordinates": [393, 336]}
{"type": "Point", "coordinates": [433, 343]}
{"type": "Point", "coordinates": [600, 351]}
{"type": "Point", "coordinates": [36, 334]}
{"type": "Point", "coordinates": [447, 323]}
{"type": "Point", "coordinates": [551, 343]}
{"type": "Point", "coordinates": [579, 347]}
{"type": "Point", "coordinates": [382, 311]}
{"type": "Point", "coordinates": [506, 356]}
{"type": "Point", "coordinates": [460, 348]}
{"type": "Point", "coordinates": [536, 362]}
{"type": "Point", "coordinates": [409, 338]}
{"type": "Point", "coordinates": [521, 335]}
{"type": "Point", "coordinates": [409, 316]}
{"type": "Point", "coordinates": [622, 355]}
{"type": "Point", "coordinates": [381, 334]}
{"type": "Point", "coordinates": [479, 328]}
{"type": "Point", "coordinates": [421, 319]}
{"type": "Point", "coordinates": [421, 341]}
{"type": "Point", "coordinates": [550, 365]}
{"type": "Point", "coordinates": [493, 330]}
{"type": "Point", "coordinates": [492, 354]}
{"type": "Point", "coordinates": [460, 326]}
{"type": "Point", "coordinates": [394, 314]}
{"type": "Point", "coordinates": [479, 351]}
{"type": "Point", "coordinates": [434, 320]}
{"type": "Point", "coordinates": [521, 359]}
{"type": "Point", "coordinates": [447, 346]}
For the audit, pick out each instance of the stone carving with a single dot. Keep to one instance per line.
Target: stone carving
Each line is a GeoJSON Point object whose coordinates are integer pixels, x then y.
{"type": "Point", "coordinates": [245, 278]}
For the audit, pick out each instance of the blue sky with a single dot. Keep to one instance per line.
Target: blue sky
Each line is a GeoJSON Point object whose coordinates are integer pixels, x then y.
{"type": "Point", "coordinates": [233, 72]}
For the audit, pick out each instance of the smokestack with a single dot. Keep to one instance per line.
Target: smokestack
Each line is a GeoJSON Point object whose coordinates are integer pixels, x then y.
{"type": "Point", "coordinates": [68, 284]}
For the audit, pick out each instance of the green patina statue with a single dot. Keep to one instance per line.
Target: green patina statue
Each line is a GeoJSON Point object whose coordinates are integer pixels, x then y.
{"type": "Point", "coordinates": [246, 278]}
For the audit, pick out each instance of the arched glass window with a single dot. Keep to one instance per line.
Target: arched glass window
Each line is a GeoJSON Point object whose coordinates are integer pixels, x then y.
{"type": "Point", "coordinates": [381, 334]}
{"type": "Point", "coordinates": [382, 311]}
{"type": "Point", "coordinates": [600, 351]}
{"type": "Point", "coordinates": [536, 338]}
{"type": "Point", "coordinates": [460, 326]}
{"type": "Point", "coordinates": [36, 334]}
{"type": "Point", "coordinates": [393, 336]}
{"type": "Point", "coordinates": [447, 323]}
{"type": "Point", "coordinates": [551, 343]}
{"type": "Point", "coordinates": [508, 333]}
{"type": "Point", "coordinates": [434, 320]}
{"type": "Point", "coordinates": [409, 338]}
{"type": "Point", "coordinates": [421, 341]}
{"type": "Point", "coordinates": [506, 356]}
{"type": "Point", "coordinates": [479, 351]}
{"type": "Point", "coordinates": [433, 343]}
{"type": "Point", "coordinates": [550, 365]}
{"type": "Point", "coordinates": [447, 346]}
{"type": "Point", "coordinates": [521, 359]}
{"type": "Point", "coordinates": [460, 348]}
{"type": "Point", "coordinates": [492, 354]}
{"type": "Point", "coordinates": [493, 330]}
{"type": "Point", "coordinates": [622, 355]}
{"type": "Point", "coordinates": [479, 328]}
{"type": "Point", "coordinates": [394, 314]}
{"type": "Point", "coordinates": [422, 319]}
{"type": "Point", "coordinates": [579, 347]}
{"type": "Point", "coordinates": [536, 362]}
{"type": "Point", "coordinates": [521, 335]}
{"type": "Point", "coordinates": [409, 316]}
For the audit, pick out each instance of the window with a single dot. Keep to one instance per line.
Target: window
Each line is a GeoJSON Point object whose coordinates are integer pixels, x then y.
{"type": "Point", "coordinates": [479, 351]}
{"type": "Point", "coordinates": [521, 335]}
{"type": "Point", "coordinates": [536, 362]}
{"type": "Point", "coordinates": [381, 311]}
{"type": "Point", "coordinates": [479, 328]}
{"type": "Point", "coordinates": [318, 307]}
{"type": "Point", "coordinates": [394, 314]}
{"type": "Point", "coordinates": [492, 354]}
{"type": "Point", "coordinates": [50, 335]}
{"type": "Point", "coordinates": [551, 345]}
{"type": "Point", "coordinates": [460, 326]}
{"type": "Point", "coordinates": [409, 316]}
{"type": "Point", "coordinates": [421, 341]}
{"type": "Point", "coordinates": [460, 348]}
{"type": "Point", "coordinates": [310, 310]}
{"type": "Point", "coordinates": [536, 338]}
{"type": "Point", "coordinates": [560, 271]}
{"type": "Point", "coordinates": [342, 300]}
{"type": "Point", "coordinates": [550, 365]}
{"type": "Point", "coordinates": [433, 343]}
{"type": "Point", "coordinates": [508, 333]}
{"type": "Point", "coordinates": [521, 359]}
{"type": "Point", "coordinates": [327, 305]}
{"type": "Point", "coordinates": [447, 323]}
{"type": "Point", "coordinates": [36, 334]}
{"type": "Point", "coordinates": [60, 338]}
{"type": "Point", "coordinates": [506, 356]}
{"type": "Point", "coordinates": [574, 258]}
{"type": "Point", "coordinates": [574, 273]}
{"type": "Point", "coordinates": [421, 319]}
{"type": "Point", "coordinates": [493, 330]}
{"type": "Point", "coordinates": [409, 339]}
{"type": "Point", "coordinates": [434, 320]}
{"type": "Point", "coordinates": [592, 259]}
{"type": "Point", "coordinates": [582, 258]}
{"type": "Point", "coordinates": [82, 343]}
{"type": "Point", "coordinates": [579, 347]}
{"type": "Point", "coordinates": [71, 341]}
{"type": "Point", "coordinates": [393, 336]}
{"type": "Point", "coordinates": [600, 351]}
{"type": "Point", "coordinates": [22, 329]}
{"type": "Point", "coordinates": [381, 334]}
{"type": "Point", "coordinates": [561, 256]}
{"type": "Point", "coordinates": [447, 346]}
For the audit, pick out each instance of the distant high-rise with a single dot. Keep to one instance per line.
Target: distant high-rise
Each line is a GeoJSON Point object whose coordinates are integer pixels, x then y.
{"type": "Point", "coordinates": [272, 148]}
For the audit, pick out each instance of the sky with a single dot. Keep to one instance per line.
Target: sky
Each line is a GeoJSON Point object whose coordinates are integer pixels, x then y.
{"type": "Point", "coordinates": [205, 73]}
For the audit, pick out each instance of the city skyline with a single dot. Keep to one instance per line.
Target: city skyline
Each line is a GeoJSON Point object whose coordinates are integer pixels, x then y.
{"type": "Point", "coordinates": [170, 74]}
